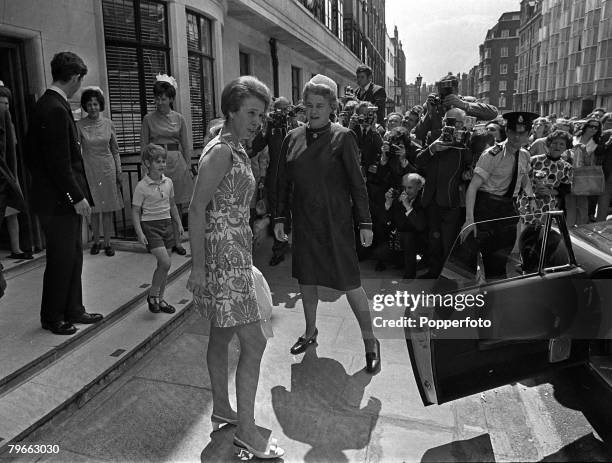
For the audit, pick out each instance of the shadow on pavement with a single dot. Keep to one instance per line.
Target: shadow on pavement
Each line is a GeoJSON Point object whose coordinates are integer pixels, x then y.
{"type": "Point", "coordinates": [587, 448]}
{"type": "Point", "coordinates": [475, 449]}
{"type": "Point", "coordinates": [220, 449]}
{"type": "Point", "coordinates": [323, 408]}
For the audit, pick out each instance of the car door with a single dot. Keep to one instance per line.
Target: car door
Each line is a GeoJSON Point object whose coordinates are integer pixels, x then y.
{"type": "Point", "coordinates": [538, 318]}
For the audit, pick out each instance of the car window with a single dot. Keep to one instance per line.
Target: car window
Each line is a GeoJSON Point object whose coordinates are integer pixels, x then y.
{"type": "Point", "coordinates": [507, 249]}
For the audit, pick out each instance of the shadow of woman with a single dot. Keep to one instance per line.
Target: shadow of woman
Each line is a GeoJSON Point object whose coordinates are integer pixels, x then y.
{"type": "Point", "coordinates": [323, 408]}
{"type": "Point", "coordinates": [220, 449]}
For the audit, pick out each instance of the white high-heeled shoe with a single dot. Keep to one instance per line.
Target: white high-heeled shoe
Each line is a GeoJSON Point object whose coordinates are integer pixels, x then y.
{"type": "Point", "coordinates": [245, 452]}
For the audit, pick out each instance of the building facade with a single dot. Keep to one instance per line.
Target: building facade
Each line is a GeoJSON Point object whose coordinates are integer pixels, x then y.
{"type": "Point", "coordinates": [389, 73]}
{"type": "Point", "coordinates": [526, 97]}
{"type": "Point", "coordinates": [203, 44]}
{"type": "Point", "coordinates": [575, 68]}
{"type": "Point", "coordinates": [399, 77]}
{"type": "Point", "coordinates": [498, 67]}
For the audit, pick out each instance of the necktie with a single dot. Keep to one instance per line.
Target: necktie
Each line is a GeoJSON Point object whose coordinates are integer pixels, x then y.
{"type": "Point", "coordinates": [510, 191]}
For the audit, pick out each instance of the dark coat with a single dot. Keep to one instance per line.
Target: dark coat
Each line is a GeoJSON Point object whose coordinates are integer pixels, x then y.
{"type": "Point", "coordinates": [319, 171]}
{"type": "Point", "coordinates": [54, 157]}
{"type": "Point", "coordinates": [415, 222]}
{"type": "Point", "coordinates": [10, 192]}
{"type": "Point", "coordinates": [443, 173]}
{"type": "Point", "coordinates": [377, 95]}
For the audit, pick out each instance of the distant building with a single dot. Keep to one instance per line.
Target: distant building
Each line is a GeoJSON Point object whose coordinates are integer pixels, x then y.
{"type": "Point", "coordinates": [526, 97]}
{"type": "Point", "coordinates": [498, 67]}
{"type": "Point", "coordinates": [390, 63]}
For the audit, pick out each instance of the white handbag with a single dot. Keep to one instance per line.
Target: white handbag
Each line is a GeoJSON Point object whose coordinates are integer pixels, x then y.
{"type": "Point", "coordinates": [264, 302]}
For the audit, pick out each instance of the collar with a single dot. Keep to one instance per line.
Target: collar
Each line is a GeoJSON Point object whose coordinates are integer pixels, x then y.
{"type": "Point", "coordinates": [60, 91]}
{"type": "Point", "coordinates": [149, 181]}
{"type": "Point", "coordinates": [367, 87]}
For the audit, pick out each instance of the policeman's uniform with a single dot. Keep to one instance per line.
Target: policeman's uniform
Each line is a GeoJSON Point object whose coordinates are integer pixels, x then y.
{"type": "Point", "coordinates": [505, 174]}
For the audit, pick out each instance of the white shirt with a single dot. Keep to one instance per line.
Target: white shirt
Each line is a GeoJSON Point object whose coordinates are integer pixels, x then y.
{"type": "Point", "coordinates": [60, 91]}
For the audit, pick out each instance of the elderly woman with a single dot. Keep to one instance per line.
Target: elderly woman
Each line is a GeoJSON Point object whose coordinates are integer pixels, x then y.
{"type": "Point", "coordinates": [320, 170]}
{"type": "Point", "coordinates": [222, 273]}
{"type": "Point", "coordinates": [586, 140]}
{"type": "Point", "coordinates": [551, 177]}
{"type": "Point", "coordinates": [603, 156]}
{"type": "Point", "coordinates": [167, 128]}
{"type": "Point", "coordinates": [102, 166]}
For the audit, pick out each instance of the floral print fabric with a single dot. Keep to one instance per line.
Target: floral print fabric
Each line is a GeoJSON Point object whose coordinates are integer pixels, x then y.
{"type": "Point", "coordinates": [230, 298]}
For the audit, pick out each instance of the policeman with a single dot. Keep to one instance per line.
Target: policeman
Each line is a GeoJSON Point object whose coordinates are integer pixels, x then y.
{"type": "Point", "coordinates": [500, 173]}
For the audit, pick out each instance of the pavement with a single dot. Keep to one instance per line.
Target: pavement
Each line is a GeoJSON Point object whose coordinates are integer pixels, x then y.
{"type": "Point", "coordinates": [321, 406]}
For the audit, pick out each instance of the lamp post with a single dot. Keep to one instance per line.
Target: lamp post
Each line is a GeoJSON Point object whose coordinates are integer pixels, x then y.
{"type": "Point", "coordinates": [418, 81]}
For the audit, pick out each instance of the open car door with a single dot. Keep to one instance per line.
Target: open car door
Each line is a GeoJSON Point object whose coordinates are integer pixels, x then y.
{"type": "Point", "coordinates": [482, 334]}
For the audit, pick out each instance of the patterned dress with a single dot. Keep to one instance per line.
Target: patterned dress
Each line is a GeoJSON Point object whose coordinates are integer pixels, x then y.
{"type": "Point", "coordinates": [552, 173]}
{"type": "Point", "coordinates": [230, 298]}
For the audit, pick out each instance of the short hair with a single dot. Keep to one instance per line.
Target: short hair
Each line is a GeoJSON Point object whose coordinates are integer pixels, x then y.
{"type": "Point", "coordinates": [390, 115]}
{"type": "Point", "coordinates": [90, 93]}
{"type": "Point", "coordinates": [560, 122]}
{"type": "Point", "coordinates": [162, 88]}
{"type": "Point", "coordinates": [6, 92]}
{"type": "Point", "coordinates": [151, 152]}
{"type": "Point", "coordinates": [236, 91]}
{"type": "Point", "coordinates": [562, 134]}
{"type": "Point", "coordinates": [351, 105]}
{"type": "Point", "coordinates": [66, 64]}
{"type": "Point", "coordinates": [323, 90]}
{"type": "Point", "coordinates": [367, 70]}
{"type": "Point", "coordinates": [416, 177]}
{"type": "Point", "coordinates": [280, 100]}
{"type": "Point", "coordinates": [502, 129]}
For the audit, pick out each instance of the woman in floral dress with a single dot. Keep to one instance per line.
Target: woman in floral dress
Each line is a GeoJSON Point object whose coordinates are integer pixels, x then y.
{"type": "Point", "coordinates": [222, 277]}
{"type": "Point", "coordinates": [551, 177]}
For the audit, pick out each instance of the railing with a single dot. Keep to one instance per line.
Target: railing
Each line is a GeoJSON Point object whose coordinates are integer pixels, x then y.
{"type": "Point", "coordinates": [122, 220]}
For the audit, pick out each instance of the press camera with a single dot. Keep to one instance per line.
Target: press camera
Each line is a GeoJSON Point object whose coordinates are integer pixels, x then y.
{"type": "Point", "coordinates": [451, 135]}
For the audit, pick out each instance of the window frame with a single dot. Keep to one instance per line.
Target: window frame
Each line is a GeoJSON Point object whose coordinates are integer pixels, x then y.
{"type": "Point", "coordinates": [503, 69]}
{"type": "Point", "coordinates": [296, 88]}
{"type": "Point", "coordinates": [242, 53]}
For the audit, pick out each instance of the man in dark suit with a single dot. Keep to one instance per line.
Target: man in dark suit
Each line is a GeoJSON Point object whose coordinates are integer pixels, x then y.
{"type": "Point", "coordinates": [60, 196]}
{"type": "Point", "coordinates": [368, 91]}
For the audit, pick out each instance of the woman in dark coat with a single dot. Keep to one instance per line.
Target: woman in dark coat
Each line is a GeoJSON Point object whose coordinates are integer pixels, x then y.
{"type": "Point", "coordinates": [319, 171]}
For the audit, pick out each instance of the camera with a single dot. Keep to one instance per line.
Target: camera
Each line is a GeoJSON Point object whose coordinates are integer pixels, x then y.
{"type": "Point", "coordinates": [368, 117]}
{"type": "Point", "coordinates": [395, 137]}
{"type": "Point", "coordinates": [453, 136]}
{"type": "Point", "coordinates": [279, 119]}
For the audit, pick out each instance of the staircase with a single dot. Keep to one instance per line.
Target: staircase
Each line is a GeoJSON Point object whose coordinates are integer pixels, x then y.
{"type": "Point", "coordinates": [42, 374]}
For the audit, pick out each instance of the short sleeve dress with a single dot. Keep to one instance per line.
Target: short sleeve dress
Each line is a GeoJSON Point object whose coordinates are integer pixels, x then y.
{"type": "Point", "coordinates": [101, 159]}
{"type": "Point", "coordinates": [230, 298]}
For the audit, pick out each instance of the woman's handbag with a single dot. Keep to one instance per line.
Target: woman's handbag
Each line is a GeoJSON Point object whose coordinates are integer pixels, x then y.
{"type": "Point", "coordinates": [264, 302]}
{"type": "Point", "coordinates": [588, 180]}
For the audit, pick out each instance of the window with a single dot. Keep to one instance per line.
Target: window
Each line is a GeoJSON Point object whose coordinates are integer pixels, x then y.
{"type": "Point", "coordinates": [245, 63]}
{"type": "Point", "coordinates": [503, 85]}
{"type": "Point", "coordinates": [487, 53]}
{"type": "Point", "coordinates": [328, 14]}
{"type": "Point", "coordinates": [502, 101]}
{"type": "Point", "coordinates": [503, 69]}
{"type": "Point", "coordinates": [515, 68]}
{"type": "Point", "coordinates": [504, 52]}
{"type": "Point", "coordinates": [201, 80]}
{"type": "Point", "coordinates": [136, 41]}
{"type": "Point", "coordinates": [505, 33]}
{"type": "Point", "coordinates": [296, 84]}
{"type": "Point", "coordinates": [516, 50]}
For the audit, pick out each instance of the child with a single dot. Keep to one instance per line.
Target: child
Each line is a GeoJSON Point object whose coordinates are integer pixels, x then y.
{"type": "Point", "coordinates": [152, 208]}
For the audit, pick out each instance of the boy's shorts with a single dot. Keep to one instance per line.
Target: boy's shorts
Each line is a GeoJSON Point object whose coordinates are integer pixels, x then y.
{"type": "Point", "coordinates": [159, 233]}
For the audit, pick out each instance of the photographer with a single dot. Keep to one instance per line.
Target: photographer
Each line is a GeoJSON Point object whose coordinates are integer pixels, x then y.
{"type": "Point", "coordinates": [406, 223]}
{"type": "Point", "coordinates": [447, 98]}
{"type": "Point", "coordinates": [280, 120]}
{"type": "Point", "coordinates": [443, 164]}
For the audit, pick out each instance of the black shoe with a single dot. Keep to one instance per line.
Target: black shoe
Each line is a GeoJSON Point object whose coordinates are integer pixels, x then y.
{"type": "Point", "coordinates": [277, 260]}
{"type": "Point", "coordinates": [373, 360]}
{"type": "Point", "coordinates": [95, 249]}
{"type": "Point", "coordinates": [60, 327]}
{"type": "Point", "coordinates": [87, 318]}
{"type": "Point", "coordinates": [21, 255]}
{"type": "Point", "coordinates": [180, 250]}
{"type": "Point", "coordinates": [302, 343]}
{"type": "Point", "coordinates": [153, 302]}
{"type": "Point", "coordinates": [165, 307]}
{"type": "Point", "coordinates": [109, 251]}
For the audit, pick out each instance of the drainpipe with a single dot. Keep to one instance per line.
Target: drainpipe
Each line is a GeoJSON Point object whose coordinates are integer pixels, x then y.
{"type": "Point", "coordinates": [274, 55]}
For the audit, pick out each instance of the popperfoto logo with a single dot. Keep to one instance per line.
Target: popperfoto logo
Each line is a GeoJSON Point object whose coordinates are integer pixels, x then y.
{"type": "Point", "coordinates": [419, 303]}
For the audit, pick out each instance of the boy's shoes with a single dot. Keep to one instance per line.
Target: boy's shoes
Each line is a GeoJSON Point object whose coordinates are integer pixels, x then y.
{"type": "Point", "coordinates": [180, 250]}
{"type": "Point", "coordinates": [95, 249]}
{"type": "Point", "coordinates": [60, 327]}
{"type": "Point", "coordinates": [87, 318]}
{"type": "Point", "coordinates": [153, 302]}
{"type": "Point", "coordinates": [165, 307]}
{"type": "Point", "coordinates": [109, 251]}
{"type": "Point", "coordinates": [21, 255]}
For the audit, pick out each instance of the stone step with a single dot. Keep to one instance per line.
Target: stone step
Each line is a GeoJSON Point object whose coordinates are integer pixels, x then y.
{"type": "Point", "coordinates": [86, 368]}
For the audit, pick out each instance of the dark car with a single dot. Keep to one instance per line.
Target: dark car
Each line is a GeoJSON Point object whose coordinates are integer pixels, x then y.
{"type": "Point", "coordinates": [553, 310]}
